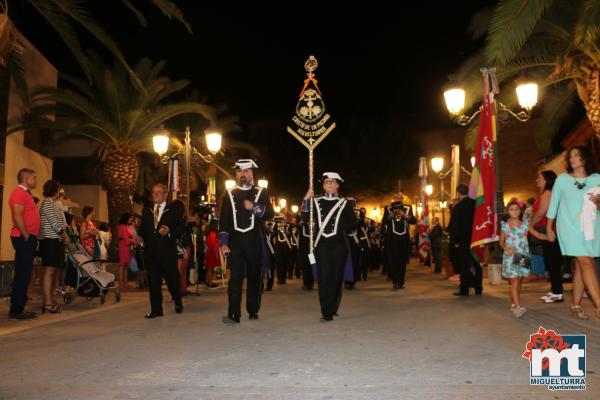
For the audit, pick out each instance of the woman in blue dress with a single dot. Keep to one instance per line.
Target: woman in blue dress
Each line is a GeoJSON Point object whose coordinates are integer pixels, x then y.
{"type": "Point", "coordinates": [566, 204]}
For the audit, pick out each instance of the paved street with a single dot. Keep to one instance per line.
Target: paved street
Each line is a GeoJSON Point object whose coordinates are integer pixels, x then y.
{"type": "Point", "coordinates": [417, 343]}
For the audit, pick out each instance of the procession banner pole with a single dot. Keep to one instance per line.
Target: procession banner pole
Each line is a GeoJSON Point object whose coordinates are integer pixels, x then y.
{"type": "Point", "coordinates": [311, 166]}
{"type": "Point", "coordinates": [310, 124]}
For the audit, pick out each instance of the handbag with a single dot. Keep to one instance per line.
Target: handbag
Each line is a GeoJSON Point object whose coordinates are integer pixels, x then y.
{"type": "Point", "coordinates": [522, 260]}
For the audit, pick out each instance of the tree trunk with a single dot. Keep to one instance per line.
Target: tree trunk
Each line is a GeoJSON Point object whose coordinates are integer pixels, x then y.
{"type": "Point", "coordinates": [589, 93]}
{"type": "Point", "coordinates": [120, 171]}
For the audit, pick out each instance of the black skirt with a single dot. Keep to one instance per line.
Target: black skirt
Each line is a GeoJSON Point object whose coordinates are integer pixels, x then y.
{"type": "Point", "coordinates": [52, 252]}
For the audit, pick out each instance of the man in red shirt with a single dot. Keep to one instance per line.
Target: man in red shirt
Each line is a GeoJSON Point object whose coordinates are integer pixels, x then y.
{"type": "Point", "coordinates": [24, 232]}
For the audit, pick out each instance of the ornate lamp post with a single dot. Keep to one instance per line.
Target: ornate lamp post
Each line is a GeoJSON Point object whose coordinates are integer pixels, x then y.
{"type": "Point", "coordinates": [213, 143]}
{"type": "Point", "coordinates": [527, 93]}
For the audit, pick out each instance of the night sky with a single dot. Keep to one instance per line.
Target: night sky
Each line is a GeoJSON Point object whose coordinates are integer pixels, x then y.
{"type": "Point", "coordinates": [382, 70]}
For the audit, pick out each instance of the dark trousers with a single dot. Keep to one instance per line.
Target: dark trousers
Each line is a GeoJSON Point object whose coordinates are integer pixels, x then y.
{"type": "Point", "coordinates": [24, 253]}
{"type": "Point", "coordinates": [245, 260]}
{"type": "Point", "coordinates": [365, 263]}
{"type": "Point", "coordinates": [386, 258]}
{"type": "Point", "coordinates": [282, 259]}
{"type": "Point", "coordinates": [454, 258]}
{"type": "Point", "coordinates": [163, 266]}
{"type": "Point", "coordinates": [331, 261]}
{"type": "Point", "coordinates": [296, 262]}
{"type": "Point", "coordinates": [355, 257]}
{"type": "Point", "coordinates": [553, 260]}
{"type": "Point", "coordinates": [293, 254]}
{"type": "Point", "coordinates": [466, 263]}
{"type": "Point", "coordinates": [271, 277]}
{"type": "Point", "coordinates": [436, 253]}
{"type": "Point", "coordinates": [398, 255]}
{"type": "Point", "coordinates": [305, 267]}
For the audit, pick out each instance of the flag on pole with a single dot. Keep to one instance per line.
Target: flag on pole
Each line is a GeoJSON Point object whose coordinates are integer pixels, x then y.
{"type": "Point", "coordinates": [482, 187]}
{"type": "Point", "coordinates": [174, 176]}
{"type": "Point", "coordinates": [423, 223]}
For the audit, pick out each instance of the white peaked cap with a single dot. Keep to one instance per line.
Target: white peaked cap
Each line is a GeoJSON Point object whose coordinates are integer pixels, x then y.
{"type": "Point", "coordinates": [332, 175]}
{"type": "Point", "coordinates": [245, 163]}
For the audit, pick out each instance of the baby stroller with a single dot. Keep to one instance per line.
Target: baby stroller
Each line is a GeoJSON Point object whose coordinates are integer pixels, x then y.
{"type": "Point", "coordinates": [89, 277]}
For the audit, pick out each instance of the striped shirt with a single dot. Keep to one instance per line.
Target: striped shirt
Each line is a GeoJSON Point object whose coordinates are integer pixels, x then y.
{"type": "Point", "coordinates": [52, 220]}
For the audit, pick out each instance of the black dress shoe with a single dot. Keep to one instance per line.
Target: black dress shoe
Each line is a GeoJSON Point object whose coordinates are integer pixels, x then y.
{"type": "Point", "coordinates": [153, 315]}
{"type": "Point", "coordinates": [23, 315]}
{"type": "Point", "coordinates": [231, 319]}
{"type": "Point", "coordinates": [326, 318]}
{"type": "Point", "coordinates": [268, 289]}
{"type": "Point", "coordinates": [179, 309]}
{"type": "Point", "coordinates": [253, 316]}
{"type": "Point", "coordinates": [461, 293]}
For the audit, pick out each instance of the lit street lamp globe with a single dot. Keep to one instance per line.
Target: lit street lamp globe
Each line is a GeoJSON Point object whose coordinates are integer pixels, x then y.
{"type": "Point", "coordinates": [527, 94]}
{"type": "Point", "coordinates": [294, 209]}
{"type": "Point", "coordinates": [213, 141]}
{"type": "Point", "coordinates": [229, 184]}
{"type": "Point", "coordinates": [437, 164]}
{"type": "Point", "coordinates": [160, 143]}
{"type": "Point", "coordinates": [455, 100]}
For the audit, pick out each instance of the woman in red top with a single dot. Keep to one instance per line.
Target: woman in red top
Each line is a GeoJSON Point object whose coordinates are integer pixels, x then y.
{"type": "Point", "coordinates": [88, 232]}
{"type": "Point", "coordinates": [552, 255]}
{"type": "Point", "coordinates": [212, 259]}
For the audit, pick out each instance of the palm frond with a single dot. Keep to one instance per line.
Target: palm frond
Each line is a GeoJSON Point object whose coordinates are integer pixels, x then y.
{"type": "Point", "coordinates": [480, 22]}
{"type": "Point", "coordinates": [161, 114]}
{"type": "Point", "coordinates": [556, 107]}
{"type": "Point", "coordinates": [138, 14]}
{"type": "Point", "coordinates": [170, 10]}
{"type": "Point", "coordinates": [511, 25]}
{"type": "Point", "coordinates": [64, 29]}
{"type": "Point", "coordinates": [587, 28]}
{"type": "Point", "coordinates": [76, 11]}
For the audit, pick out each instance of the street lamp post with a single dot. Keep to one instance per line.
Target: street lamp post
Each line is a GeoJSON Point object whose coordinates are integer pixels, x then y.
{"type": "Point", "coordinates": [437, 165]}
{"type": "Point", "coordinates": [213, 143]}
{"type": "Point", "coordinates": [527, 94]}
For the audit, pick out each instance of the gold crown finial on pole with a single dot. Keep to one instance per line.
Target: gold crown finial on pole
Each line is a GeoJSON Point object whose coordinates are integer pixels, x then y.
{"type": "Point", "coordinates": [311, 65]}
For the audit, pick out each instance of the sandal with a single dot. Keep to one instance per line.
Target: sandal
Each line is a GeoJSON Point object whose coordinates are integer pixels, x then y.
{"type": "Point", "coordinates": [51, 308]}
{"type": "Point", "coordinates": [578, 311]}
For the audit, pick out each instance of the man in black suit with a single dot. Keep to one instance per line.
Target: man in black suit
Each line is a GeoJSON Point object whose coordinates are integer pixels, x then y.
{"type": "Point", "coordinates": [436, 235]}
{"type": "Point", "coordinates": [161, 226]}
{"type": "Point", "coordinates": [460, 228]}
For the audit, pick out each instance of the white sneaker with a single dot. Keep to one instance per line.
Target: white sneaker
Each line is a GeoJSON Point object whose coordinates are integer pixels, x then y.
{"type": "Point", "coordinates": [512, 308]}
{"type": "Point", "coordinates": [553, 298]}
{"type": "Point", "coordinates": [519, 312]}
{"type": "Point", "coordinates": [546, 295]}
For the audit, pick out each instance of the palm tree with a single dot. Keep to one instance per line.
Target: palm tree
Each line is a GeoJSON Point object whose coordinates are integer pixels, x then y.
{"type": "Point", "coordinates": [115, 114]}
{"type": "Point", "coordinates": [65, 16]}
{"type": "Point", "coordinates": [555, 41]}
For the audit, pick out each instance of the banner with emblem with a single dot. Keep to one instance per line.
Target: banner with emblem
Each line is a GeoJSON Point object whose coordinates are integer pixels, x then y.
{"type": "Point", "coordinates": [310, 125]}
{"type": "Point", "coordinates": [311, 122]}
{"type": "Point", "coordinates": [483, 179]}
